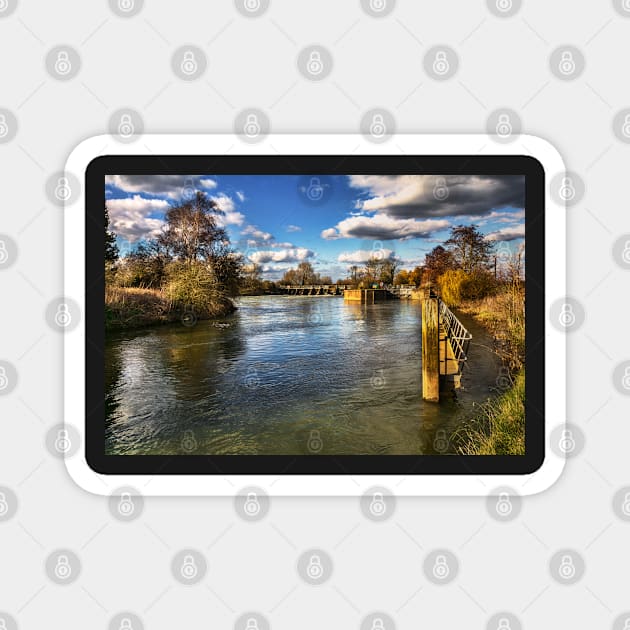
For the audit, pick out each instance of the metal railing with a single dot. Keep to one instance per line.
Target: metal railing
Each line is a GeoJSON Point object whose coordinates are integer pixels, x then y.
{"type": "Point", "coordinates": [456, 333]}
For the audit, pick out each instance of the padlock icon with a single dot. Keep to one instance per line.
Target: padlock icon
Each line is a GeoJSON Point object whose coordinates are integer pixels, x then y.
{"type": "Point", "coordinates": [251, 624]}
{"type": "Point", "coordinates": [315, 64]}
{"type": "Point", "coordinates": [189, 64]}
{"type": "Point", "coordinates": [504, 505]}
{"type": "Point", "coordinates": [126, 127]}
{"type": "Point", "coordinates": [189, 568]}
{"type": "Point", "coordinates": [4, 254]}
{"type": "Point", "coordinates": [252, 504]}
{"type": "Point", "coordinates": [252, 5]}
{"type": "Point", "coordinates": [126, 506]}
{"type": "Point", "coordinates": [377, 126]}
{"type": "Point", "coordinates": [315, 190]}
{"type": "Point", "coordinates": [251, 378]}
{"type": "Point", "coordinates": [567, 63]}
{"type": "Point", "coordinates": [625, 128]}
{"type": "Point", "coordinates": [625, 381]}
{"type": "Point", "coordinates": [567, 189]}
{"type": "Point", "coordinates": [566, 316]}
{"type": "Point", "coordinates": [63, 66]}
{"type": "Point", "coordinates": [4, 379]}
{"type": "Point", "coordinates": [315, 442]}
{"type": "Point", "coordinates": [63, 318]}
{"type": "Point", "coordinates": [378, 624]}
{"type": "Point", "coordinates": [625, 254]}
{"type": "Point", "coordinates": [503, 252]}
{"type": "Point", "coordinates": [567, 569]}
{"type": "Point", "coordinates": [189, 443]}
{"type": "Point", "coordinates": [126, 5]}
{"type": "Point", "coordinates": [62, 569]}
{"type": "Point", "coordinates": [378, 5]}
{"type": "Point", "coordinates": [125, 624]}
{"type": "Point", "coordinates": [4, 506]}
{"type": "Point", "coordinates": [626, 624]}
{"type": "Point", "coordinates": [252, 126]}
{"type": "Point", "coordinates": [63, 190]}
{"type": "Point", "coordinates": [4, 128]}
{"type": "Point", "coordinates": [441, 570]}
{"type": "Point", "coordinates": [441, 64]}
{"type": "Point", "coordinates": [504, 5]}
{"type": "Point", "coordinates": [625, 506]}
{"type": "Point", "coordinates": [63, 443]}
{"type": "Point", "coordinates": [567, 442]}
{"type": "Point", "coordinates": [315, 570]}
{"type": "Point", "coordinates": [440, 442]}
{"type": "Point", "coordinates": [440, 190]}
{"type": "Point", "coordinates": [504, 126]}
{"type": "Point", "coordinates": [188, 191]}
{"type": "Point", "coordinates": [378, 507]}
{"type": "Point", "coordinates": [504, 624]}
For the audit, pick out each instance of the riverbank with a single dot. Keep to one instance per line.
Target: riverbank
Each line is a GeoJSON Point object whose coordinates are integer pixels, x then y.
{"type": "Point", "coordinates": [499, 426]}
{"type": "Point", "coordinates": [129, 308]}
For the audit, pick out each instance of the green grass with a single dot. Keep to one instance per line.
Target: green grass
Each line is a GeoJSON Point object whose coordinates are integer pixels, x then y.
{"type": "Point", "coordinates": [499, 429]}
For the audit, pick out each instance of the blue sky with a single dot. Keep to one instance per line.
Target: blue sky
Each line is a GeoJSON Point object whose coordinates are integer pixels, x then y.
{"type": "Point", "coordinates": [333, 222]}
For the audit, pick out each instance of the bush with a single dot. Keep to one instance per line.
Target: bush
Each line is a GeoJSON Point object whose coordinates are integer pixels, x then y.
{"type": "Point", "coordinates": [456, 285]}
{"type": "Point", "coordinates": [192, 286]}
{"type": "Point", "coordinates": [140, 271]}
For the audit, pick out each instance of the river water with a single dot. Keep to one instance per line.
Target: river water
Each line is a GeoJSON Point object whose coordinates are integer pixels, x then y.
{"type": "Point", "coordinates": [285, 375]}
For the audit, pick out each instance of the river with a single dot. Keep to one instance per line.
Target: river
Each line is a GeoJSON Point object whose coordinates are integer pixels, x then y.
{"type": "Point", "coordinates": [286, 375]}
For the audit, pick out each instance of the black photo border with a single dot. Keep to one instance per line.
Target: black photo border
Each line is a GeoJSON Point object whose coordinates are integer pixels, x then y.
{"type": "Point", "coordinates": [313, 464]}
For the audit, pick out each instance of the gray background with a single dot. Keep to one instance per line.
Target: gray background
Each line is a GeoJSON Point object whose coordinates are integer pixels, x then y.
{"type": "Point", "coordinates": [252, 63]}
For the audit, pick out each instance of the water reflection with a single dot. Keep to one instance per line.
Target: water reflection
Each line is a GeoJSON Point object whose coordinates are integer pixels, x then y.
{"type": "Point", "coordinates": [280, 376]}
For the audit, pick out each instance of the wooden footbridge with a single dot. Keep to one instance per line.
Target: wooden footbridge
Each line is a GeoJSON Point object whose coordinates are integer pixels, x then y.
{"type": "Point", "coordinates": [445, 343]}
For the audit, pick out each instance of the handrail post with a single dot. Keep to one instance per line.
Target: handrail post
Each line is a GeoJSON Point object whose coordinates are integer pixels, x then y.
{"type": "Point", "coordinates": [430, 350]}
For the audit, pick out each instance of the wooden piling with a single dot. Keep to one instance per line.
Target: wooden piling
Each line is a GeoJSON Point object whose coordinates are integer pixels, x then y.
{"type": "Point", "coordinates": [430, 350]}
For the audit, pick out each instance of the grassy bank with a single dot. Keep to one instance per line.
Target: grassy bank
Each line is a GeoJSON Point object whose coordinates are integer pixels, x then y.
{"type": "Point", "coordinates": [127, 307]}
{"type": "Point", "coordinates": [503, 316]}
{"type": "Point", "coordinates": [499, 427]}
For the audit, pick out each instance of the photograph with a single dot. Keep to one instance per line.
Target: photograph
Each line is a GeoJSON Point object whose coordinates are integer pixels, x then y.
{"type": "Point", "coordinates": [314, 314]}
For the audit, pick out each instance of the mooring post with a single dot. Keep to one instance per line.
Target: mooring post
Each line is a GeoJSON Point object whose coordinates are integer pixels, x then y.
{"type": "Point", "coordinates": [430, 350]}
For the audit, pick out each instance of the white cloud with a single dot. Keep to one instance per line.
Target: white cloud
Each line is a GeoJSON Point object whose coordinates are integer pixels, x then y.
{"type": "Point", "coordinates": [208, 183]}
{"type": "Point", "coordinates": [231, 216]}
{"type": "Point", "coordinates": [171, 186]}
{"type": "Point", "coordinates": [284, 245]}
{"type": "Point", "coordinates": [383, 227]}
{"type": "Point", "coordinates": [296, 254]}
{"type": "Point", "coordinates": [363, 255]}
{"type": "Point", "coordinates": [129, 217]}
{"type": "Point", "coordinates": [294, 228]}
{"type": "Point", "coordinates": [241, 195]}
{"type": "Point", "coordinates": [511, 233]}
{"type": "Point", "coordinates": [258, 235]}
{"type": "Point", "coordinates": [417, 196]}
{"type": "Point", "coordinates": [330, 234]}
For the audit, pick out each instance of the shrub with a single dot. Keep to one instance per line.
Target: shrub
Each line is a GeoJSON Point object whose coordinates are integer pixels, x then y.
{"type": "Point", "coordinates": [456, 285]}
{"type": "Point", "coordinates": [191, 285]}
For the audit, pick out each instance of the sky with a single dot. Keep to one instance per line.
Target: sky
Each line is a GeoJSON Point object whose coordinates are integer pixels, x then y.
{"type": "Point", "coordinates": [333, 222]}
